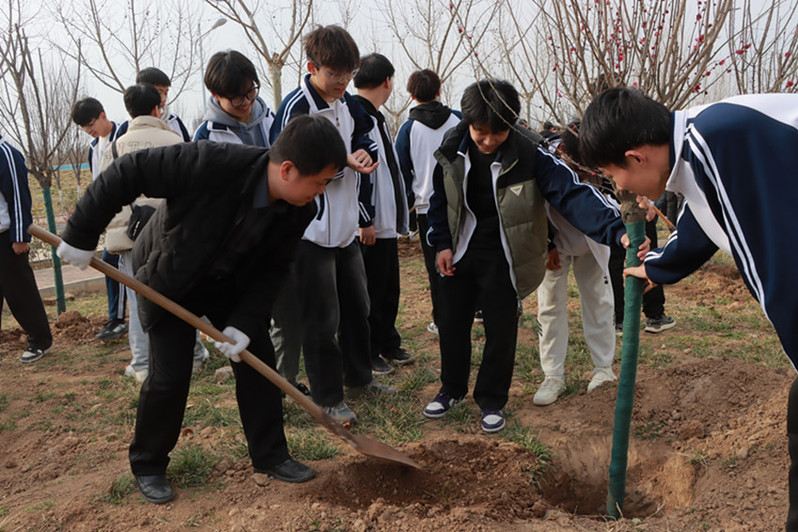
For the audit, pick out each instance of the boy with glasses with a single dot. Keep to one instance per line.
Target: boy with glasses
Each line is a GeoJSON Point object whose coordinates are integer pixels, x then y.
{"type": "Point", "coordinates": [235, 112]}
{"type": "Point", "coordinates": [331, 279]}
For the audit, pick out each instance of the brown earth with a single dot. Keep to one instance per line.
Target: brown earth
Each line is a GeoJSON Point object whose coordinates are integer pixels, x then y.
{"type": "Point", "coordinates": [709, 452]}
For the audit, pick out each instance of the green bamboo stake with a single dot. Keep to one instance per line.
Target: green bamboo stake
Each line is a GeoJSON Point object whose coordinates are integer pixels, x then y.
{"type": "Point", "coordinates": [60, 299]}
{"type": "Point", "coordinates": [634, 220]}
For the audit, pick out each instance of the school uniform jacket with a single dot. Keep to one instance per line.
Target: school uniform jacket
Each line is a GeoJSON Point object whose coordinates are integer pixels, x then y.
{"type": "Point", "coordinates": [95, 156]}
{"type": "Point", "coordinates": [524, 176]}
{"type": "Point", "coordinates": [218, 126]}
{"type": "Point", "coordinates": [416, 142]}
{"type": "Point", "coordinates": [16, 194]}
{"type": "Point", "coordinates": [387, 186]}
{"type": "Point", "coordinates": [340, 209]}
{"type": "Point", "coordinates": [735, 162]}
{"type": "Point", "coordinates": [208, 186]}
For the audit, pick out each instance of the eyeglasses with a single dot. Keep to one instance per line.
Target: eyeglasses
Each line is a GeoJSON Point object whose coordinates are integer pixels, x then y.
{"type": "Point", "coordinates": [337, 78]}
{"type": "Point", "coordinates": [242, 99]}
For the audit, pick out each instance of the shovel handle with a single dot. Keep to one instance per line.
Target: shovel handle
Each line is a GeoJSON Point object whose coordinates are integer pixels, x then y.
{"type": "Point", "coordinates": [194, 320]}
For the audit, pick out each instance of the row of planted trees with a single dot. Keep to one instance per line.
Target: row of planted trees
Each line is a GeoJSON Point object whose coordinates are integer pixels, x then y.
{"type": "Point", "coordinates": [558, 53]}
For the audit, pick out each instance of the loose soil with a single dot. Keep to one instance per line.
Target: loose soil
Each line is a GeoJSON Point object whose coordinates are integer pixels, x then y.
{"type": "Point", "coordinates": [709, 452]}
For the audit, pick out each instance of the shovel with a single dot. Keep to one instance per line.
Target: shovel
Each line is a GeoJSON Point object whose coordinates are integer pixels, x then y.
{"type": "Point", "coordinates": [360, 443]}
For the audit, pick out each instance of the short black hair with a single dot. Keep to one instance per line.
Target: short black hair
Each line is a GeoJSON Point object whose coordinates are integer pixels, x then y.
{"type": "Point", "coordinates": [374, 70]}
{"type": "Point", "coordinates": [620, 119]}
{"type": "Point", "coordinates": [141, 99]}
{"type": "Point", "coordinates": [492, 102]}
{"type": "Point", "coordinates": [153, 76]}
{"type": "Point", "coordinates": [424, 85]}
{"type": "Point", "coordinates": [86, 110]}
{"type": "Point", "coordinates": [569, 137]}
{"type": "Point", "coordinates": [312, 143]}
{"type": "Point", "coordinates": [229, 74]}
{"type": "Point", "coordinates": [331, 46]}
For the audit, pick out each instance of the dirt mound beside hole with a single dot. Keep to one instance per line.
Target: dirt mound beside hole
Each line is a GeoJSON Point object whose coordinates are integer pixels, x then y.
{"type": "Point", "coordinates": [73, 325]}
{"type": "Point", "coordinates": [472, 473]}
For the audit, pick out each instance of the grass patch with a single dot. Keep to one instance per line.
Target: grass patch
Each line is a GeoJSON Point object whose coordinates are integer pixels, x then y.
{"type": "Point", "coordinates": [650, 430]}
{"type": "Point", "coordinates": [191, 465]}
{"type": "Point", "coordinates": [206, 413]}
{"type": "Point", "coordinates": [313, 444]}
{"type": "Point", "coordinates": [120, 488]}
{"type": "Point", "coordinates": [524, 437]}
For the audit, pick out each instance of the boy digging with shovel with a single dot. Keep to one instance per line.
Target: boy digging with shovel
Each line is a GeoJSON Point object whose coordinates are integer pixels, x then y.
{"type": "Point", "coordinates": [220, 246]}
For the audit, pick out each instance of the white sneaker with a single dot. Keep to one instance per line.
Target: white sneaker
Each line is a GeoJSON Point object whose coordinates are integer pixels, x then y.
{"type": "Point", "coordinates": [600, 376]}
{"type": "Point", "coordinates": [549, 391]}
{"type": "Point", "coordinates": [140, 376]}
{"type": "Point", "coordinates": [432, 327]}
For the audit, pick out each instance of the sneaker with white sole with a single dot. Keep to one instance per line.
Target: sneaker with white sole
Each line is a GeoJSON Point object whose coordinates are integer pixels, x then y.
{"type": "Point", "coordinates": [31, 354]}
{"type": "Point", "coordinates": [441, 404]}
{"type": "Point", "coordinates": [380, 367]}
{"type": "Point", "coordinates": [140, 375]}
{"type": "Point", "coordinates": [657, 325]}
{"type": "Point", "coordinates": [341, 413]}
{"type": "Point", "coordinates": [600, 376]}
{"type": "Point", "coordinates": [492, 421]}
{"type": "Point", "coordinates": [112, 330]}
{"type": "Point", "coordinates": [432, 327]}
{"type": "Point", "coordinates": [549, 391]}
{"type": "Point", "coordinates": [373, 389]}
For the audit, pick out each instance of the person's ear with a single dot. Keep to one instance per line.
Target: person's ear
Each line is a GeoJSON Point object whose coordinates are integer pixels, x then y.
{"type": "Point", "coordinates": [311, 67]}
{"type": "Point", "coordinates": [216, 97]}
{"type": "Point", "coordinates": [156, 111]}
{"type": "Point", "coordinates": [636, 156]}
{"type": "Point", "coordinates": [288, 170]}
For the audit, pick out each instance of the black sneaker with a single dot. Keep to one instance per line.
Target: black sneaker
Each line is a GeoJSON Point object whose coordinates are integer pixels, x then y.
{"type": "Point", "coordinates": [112, 330]}
{"type": "Point", "coordinates": [31, 354]}
{"type": "Point", "coordinates": [399, 357]}
{"type": "Point", "coordinates": [478, 317]}
{"type": "Point", "coordinates": [380, 367]}
{"type": "Point", "coordinates": [657, 325]}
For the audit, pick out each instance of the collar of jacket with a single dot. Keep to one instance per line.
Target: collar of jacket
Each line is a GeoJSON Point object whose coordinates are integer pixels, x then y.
{"type": "Point", "coordinates": [455, 144]}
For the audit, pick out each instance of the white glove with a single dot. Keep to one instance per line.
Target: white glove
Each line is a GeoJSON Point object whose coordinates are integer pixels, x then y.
{"type": "Point", "coordinates": [232, 351]}
{"type": "Point", "coordinates": [81, 258]}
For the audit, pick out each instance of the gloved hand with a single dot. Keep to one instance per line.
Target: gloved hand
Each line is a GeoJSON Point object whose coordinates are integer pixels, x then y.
{"type": "Point", "coordinates": [76, 257]}
{"type": "Point", "coordinates": [232, 351]}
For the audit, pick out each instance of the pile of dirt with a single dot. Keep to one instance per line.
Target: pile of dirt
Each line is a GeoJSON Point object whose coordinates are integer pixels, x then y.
{"type": "Point", "coordinates": [73, 326]}
{"type": "Point", "coordinates": [716, 280]}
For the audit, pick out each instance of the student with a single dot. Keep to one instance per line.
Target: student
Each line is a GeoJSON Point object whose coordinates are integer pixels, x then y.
{"type": "Point", "coordinates": [161, 82]}
{"type": "Point", "coordinates": [416, 142]}
{"type": "Point", "coordinates": [488, 222]}
{"type": "Point", "coordinates": [219, 246]}
{"type": "Point", "coordinates": [235, 111]}
{"type": "Point", "coordinates": [89, 114]}
{"type": "Point", "coordinates": [17, 282]}
{"type": "Point", "coordinates": [570, 247]}
{"type": "Point", "coordinates": [374, 83]}
{"type": "Point", "coordinates": [734, 162]}
{"type": "Point", "coordinates": [331, 279]}
{"type": "Point", "coordinates": [146, 130]}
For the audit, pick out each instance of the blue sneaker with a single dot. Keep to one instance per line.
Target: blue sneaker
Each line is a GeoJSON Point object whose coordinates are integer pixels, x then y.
{"type": "Point", "coordinates": [440, 405]}
{"type": "Point", "coordinates": [492, 420]}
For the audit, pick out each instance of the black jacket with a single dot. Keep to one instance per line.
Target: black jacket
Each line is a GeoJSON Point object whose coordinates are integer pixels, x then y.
{"type": "Point", "coordinates": [208, 186]}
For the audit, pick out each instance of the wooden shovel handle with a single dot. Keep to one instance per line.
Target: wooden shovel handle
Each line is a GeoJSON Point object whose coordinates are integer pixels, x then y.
{"type": "Point", "coordinates": [194, 320]}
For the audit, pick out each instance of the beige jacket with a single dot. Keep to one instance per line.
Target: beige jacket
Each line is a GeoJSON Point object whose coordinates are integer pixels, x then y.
{"type": "Point", "coordinates": [143, 132]}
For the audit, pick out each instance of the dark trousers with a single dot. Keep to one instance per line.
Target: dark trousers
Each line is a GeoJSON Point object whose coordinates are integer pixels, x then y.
{"type": "Point", "coordinates": [162, 402]}
{"type": "Point", "coordinates": [792, 445]}
{"type": "Point", "coordinates": [429, 261]}
{"type": "Point", "coordinates": [482, 276]}
{"type": "Point", "coordinates": [116, 297]}
{"type": "Point", "coordinates": [381, 262]}
{"type": "Point", "coordinates": [654, 299]}
{"type": "Point", "coordinates": [335, 301]}
{"type": "Point", "coordinates": [18, 287]}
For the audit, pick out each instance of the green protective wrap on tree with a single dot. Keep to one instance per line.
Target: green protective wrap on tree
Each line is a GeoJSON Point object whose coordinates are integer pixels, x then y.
{"type": "Point", "coordinates": [60, 298]}
{"type": "Point", "coordinates": [633, 298]}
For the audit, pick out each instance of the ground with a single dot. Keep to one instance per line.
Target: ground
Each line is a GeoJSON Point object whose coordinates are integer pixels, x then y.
{"type": "Point", "coordinates": [707, 451]}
